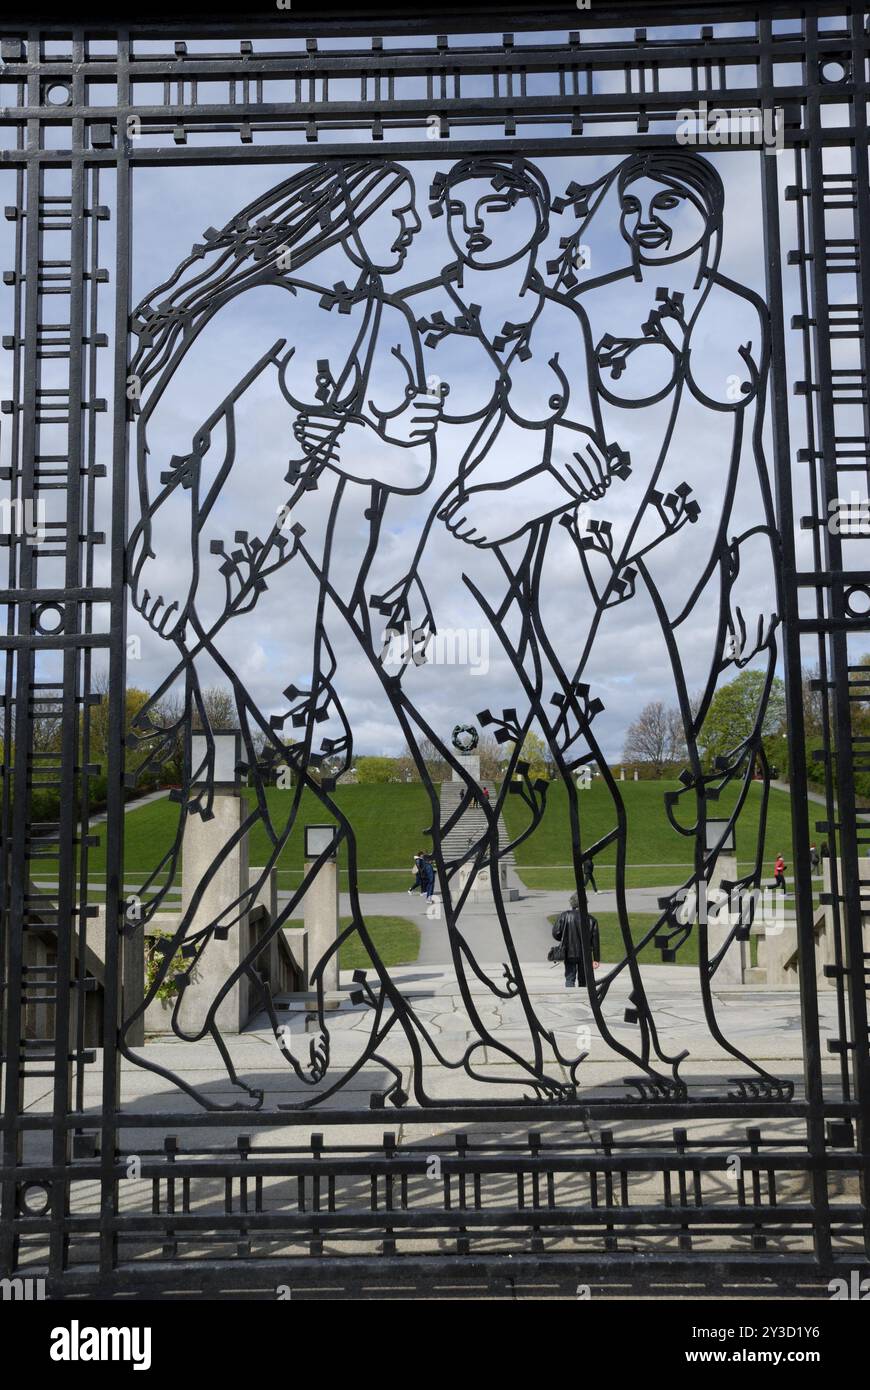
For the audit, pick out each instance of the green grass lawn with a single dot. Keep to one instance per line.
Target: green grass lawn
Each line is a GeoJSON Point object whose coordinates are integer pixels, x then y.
{"type": "Point", "coordinates": [613, 946]}
{"type": "Point", "coordinates": [396, 939]}
{"type": "Point", "coordinates": [652, 841]}
{"type": "Point", "coordinates": [389, 823]}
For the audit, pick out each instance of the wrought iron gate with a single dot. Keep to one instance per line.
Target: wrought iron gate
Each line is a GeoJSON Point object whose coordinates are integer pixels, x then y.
{"type": "Point", "coordinates": [556, 122]}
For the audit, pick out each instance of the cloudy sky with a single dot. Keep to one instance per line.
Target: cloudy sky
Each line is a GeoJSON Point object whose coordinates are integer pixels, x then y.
{"type": "Point", "coordinates": [269, 648]}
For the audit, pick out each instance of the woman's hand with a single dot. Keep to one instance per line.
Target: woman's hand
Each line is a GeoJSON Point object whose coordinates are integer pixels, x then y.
{"type": "Point", "coordinates": [493, 514]}
{"type": "Point", "coordinates": [473, 517]}
{"type": "Point", "coordinates": [591, 467]}
{"type": "Point", "coordinates": [356, 448]}
{"type": "Point", "coordinates": [164, 611]}
{"type": "Point", "coordinates": [416, 421]}
{"type": "Point", "coordinates": [325, 438]}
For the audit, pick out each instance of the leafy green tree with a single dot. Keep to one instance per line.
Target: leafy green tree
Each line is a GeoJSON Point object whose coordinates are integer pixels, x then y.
{"type": "Point", "coordinates": [534, 752]}
{"type": "Point", "coordinates": [733, 714]}
{"type": "Point", "coordinates": [375, 769]}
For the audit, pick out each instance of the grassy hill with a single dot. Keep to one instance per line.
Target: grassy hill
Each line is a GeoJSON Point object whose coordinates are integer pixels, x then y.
{"type": "Point", "coordinates": [390, 823]}
{"type": "Point", "coordinates": [656, 852]}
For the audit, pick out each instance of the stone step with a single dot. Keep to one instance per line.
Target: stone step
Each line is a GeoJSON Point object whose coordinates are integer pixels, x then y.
{"type": "Point", "coordinates": [472, 824]}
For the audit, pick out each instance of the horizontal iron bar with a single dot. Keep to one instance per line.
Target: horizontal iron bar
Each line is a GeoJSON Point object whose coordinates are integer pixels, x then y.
{"type": "Point", "coordinates": [72, 595]}
{"type": "Point", "coordinates": [531, 146]}
{"type": "Point", "coordinates": [253, 1272]}
{"type": "Point", "coordinates": [396, 108]}
{"type": "Point", "coordinates": [305, 152]}
{"type": "Point", "coordinates": [434, 1220]}
{"type": "Point", "coordinates": [423, 61]}
{"type": "Point", "coordinates": [71, 639]}
{"type": "Point", "coordinates": [404, 1163]}
{"type": "Point", "coordinates": [497, 1112]}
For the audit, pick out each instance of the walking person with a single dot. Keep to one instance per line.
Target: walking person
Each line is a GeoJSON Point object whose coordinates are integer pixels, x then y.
{"type": "Point", "coordinates": [589, 874]}
{"type": "Point", "coordinates": [568, 932]}
{"type": "Point", "coordinates": [779, 873]}
{"type": "Point", "coordinates": [419, 876]}
{"type": "Point", "coordinates": [815, 860]}
{"type": "Point", "coordinates": [427, 868]}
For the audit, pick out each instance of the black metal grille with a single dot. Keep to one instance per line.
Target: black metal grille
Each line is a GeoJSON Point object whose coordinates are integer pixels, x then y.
{"type": "Point", "coordinates": [246, 1192]}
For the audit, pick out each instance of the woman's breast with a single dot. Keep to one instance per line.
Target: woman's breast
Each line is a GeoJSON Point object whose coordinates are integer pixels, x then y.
{"type": "Point", "coordinates": [633, 369]}
{"type": "Point", "coordinates": [539, 391]}
{"type": "Point", "coordinates": [462, 364]}
{"type": "Point", "coordinates": [346, 360]}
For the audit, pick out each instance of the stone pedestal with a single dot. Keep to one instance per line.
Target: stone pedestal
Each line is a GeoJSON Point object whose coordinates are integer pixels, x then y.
{"type": "Point", "coordinates": [320, 914]}
{"type": "Point", "coordinates": [470, 762]}
{"type": "Point", "coordinates": [205, 843]}
{"type": "Point", "coordinates": [720, 922]}
{"type": "Point", "coordinates": [481, 890]}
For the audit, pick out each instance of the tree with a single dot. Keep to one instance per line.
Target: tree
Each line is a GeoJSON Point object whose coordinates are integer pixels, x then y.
{"type": "Point", "coordinates": [437, 765]}
{"type": "Point", "coordinates": [533, 752]}
{"type": "Point", "coordinates": [814, 700]}
{"type": "Point", "coordinates": [375, 770]}
{"type": "Point", "coordinates": [492, 758]}
{"type": "Point", "coordinates": [656, 737]}
{"type": "Point", "coordinates": [134, 700]}
{"type": "Point", "coordinates": [220, 708]}
{"type": "Point", "coordinates": [734, 713]}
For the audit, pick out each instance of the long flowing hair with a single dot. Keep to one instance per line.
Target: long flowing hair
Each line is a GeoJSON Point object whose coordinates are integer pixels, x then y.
{"type": "Point", "coordinates": [321, 206]}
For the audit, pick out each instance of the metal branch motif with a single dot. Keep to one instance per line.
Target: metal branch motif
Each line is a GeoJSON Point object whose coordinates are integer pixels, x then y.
{"type": "Point", "coordinates": [559, 379]}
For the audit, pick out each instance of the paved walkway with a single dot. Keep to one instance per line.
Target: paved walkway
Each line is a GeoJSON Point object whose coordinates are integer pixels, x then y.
{"type": "Point", "coordinates": [764, 1024]}
{"type": "Point", "coordinates": [129, 806]}
{"type": "Point", "coordinates": [810, 796]}
{"type": "Point", "coordinates": [528, 915]}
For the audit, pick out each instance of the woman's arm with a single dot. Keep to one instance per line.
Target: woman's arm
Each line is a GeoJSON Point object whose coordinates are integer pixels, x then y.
{"type": "Point", "coordinates": [494, 513]}
{"type": "Point", "coordinates": [387, 435]}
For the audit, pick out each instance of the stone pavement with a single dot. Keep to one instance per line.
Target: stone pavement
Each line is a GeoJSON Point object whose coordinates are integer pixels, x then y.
{"type": "Point", "coordinates": [528, 915]}
{"type": "Point", "coordinates": [453, 1015]}
{"type": "Point", "coordinates": [763, 1024]}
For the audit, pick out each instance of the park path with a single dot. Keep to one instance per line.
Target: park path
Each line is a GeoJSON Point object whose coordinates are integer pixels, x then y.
{"type": "Point", "coordinates": [528, 916]}
{"type": "Point", "coordinates": [129, 806]}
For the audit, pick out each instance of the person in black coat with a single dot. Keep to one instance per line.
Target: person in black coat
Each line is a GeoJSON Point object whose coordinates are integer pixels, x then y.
{"type": "Point", "coordinates": [568, 930]}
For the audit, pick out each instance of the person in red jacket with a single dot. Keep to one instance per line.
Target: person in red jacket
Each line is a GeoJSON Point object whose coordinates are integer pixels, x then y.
{"type": "Point", "coordinates": [779, 873]}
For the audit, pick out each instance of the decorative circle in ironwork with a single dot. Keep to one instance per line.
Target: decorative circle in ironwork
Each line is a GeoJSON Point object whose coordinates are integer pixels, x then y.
{"type": "Point", "coordinates": [34, 1198]}
{"type": "Point", "coordinates": [58, 94]}
{"type": "Point", "coordinates": [465, 738]}
{"type": "Point", "coordinates": [858, 601]}
{"type": "Point", "coordinates": [834, 70]}
{"type": "Point", "coordinates": [48, 619]}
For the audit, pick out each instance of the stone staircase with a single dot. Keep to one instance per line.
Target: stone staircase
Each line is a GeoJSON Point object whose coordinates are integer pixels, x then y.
{"type": "Point", "coordinates": [471, 826]}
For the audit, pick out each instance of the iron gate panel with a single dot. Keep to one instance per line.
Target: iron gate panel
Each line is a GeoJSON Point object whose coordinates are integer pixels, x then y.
{"type": "Point", "coordinates": [250, 1189]}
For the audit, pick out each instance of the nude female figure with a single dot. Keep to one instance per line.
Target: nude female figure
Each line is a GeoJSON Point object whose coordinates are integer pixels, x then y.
{"type": "Point", "coordinates": [675, 344]}
{"type": "Point", "coordinates": [349, 403]}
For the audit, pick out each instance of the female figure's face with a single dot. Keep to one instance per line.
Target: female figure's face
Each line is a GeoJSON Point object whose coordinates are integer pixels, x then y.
{"type": "Point", "coordinates": [660, 222]}
{"type": "Point", "coordinates": [489, 227]}
{"type": "Point", "coordinates": [382, 241]}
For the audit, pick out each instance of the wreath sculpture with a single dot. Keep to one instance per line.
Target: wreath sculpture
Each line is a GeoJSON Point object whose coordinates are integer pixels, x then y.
{"type": "Point", "coordinates": [465, 738]}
